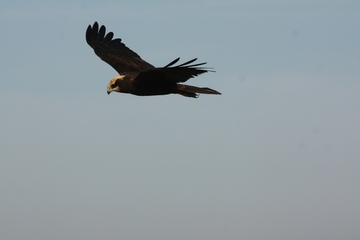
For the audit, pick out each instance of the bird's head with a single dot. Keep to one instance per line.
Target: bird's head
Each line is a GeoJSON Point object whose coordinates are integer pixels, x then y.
{"type": "Point", "coordinates": [114, 84]}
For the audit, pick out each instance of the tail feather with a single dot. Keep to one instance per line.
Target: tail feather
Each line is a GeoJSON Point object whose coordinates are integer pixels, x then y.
{"type": "Point", "coordinates": [192, 91]}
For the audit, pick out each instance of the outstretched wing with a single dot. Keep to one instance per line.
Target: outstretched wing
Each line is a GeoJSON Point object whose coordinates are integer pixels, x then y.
{"type": "Point", "coordinates": [113, 51]}
{"type": "Point", "coordinates": [170, 73]}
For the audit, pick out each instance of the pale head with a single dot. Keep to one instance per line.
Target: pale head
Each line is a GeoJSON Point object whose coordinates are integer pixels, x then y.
{"type": "Point", "coordinates": [114, 84]}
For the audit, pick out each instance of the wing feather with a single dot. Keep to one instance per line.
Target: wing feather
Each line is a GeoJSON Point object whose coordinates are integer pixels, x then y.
{"type": "Point", "coordinates": [169, 73]}
{"type": "Point", "coordinates": [113, 51]}
{"type": "Point", "coordinates": [188, 62]}
{"type": "Point", "coordinates": [172, 63]}
{"type": "Point", "coordinates": [108, 37]}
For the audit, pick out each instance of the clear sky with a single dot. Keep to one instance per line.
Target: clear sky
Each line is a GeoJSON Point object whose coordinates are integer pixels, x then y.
{"type": "Point", "coordinates": [276, 156]}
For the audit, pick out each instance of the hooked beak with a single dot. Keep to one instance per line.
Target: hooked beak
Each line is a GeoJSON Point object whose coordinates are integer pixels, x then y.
{"type": "Point", "coordinates": [108, 92]}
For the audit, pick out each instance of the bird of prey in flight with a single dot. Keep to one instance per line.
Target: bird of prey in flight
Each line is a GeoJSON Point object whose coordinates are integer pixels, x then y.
{"type": "Point", "coordinates": [139, 77]}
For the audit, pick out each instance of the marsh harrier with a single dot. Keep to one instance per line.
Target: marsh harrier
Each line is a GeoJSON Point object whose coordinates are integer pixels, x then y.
{"type": "Point", "coordinates": [139, 77]}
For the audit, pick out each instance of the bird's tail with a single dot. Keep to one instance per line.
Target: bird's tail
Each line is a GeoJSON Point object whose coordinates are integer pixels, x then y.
{"type": "Point", "coordinates": [191, 91]}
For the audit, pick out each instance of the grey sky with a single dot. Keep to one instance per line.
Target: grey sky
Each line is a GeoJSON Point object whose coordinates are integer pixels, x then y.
{"type": "Point", "coordinates": [275, 157]}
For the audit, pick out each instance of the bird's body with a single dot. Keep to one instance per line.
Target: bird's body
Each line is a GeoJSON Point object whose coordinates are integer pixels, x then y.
{"type": "Point", "coordinates": [139, 77]}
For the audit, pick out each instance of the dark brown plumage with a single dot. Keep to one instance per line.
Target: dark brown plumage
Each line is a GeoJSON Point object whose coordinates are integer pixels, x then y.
{"type": "Point", "coordinates": [139, 77]}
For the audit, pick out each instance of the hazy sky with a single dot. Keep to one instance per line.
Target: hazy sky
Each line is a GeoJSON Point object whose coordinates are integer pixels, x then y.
{"type": "Point", "coordinates": [276, 156]}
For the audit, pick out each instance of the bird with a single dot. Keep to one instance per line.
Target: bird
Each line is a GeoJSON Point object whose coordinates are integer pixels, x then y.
{"type": "Point", "coordinates": [138, 77]}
